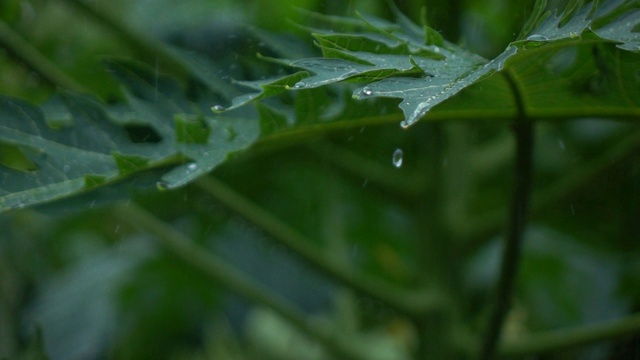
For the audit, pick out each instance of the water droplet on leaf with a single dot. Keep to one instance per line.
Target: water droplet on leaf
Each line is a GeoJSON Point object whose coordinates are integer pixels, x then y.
{"type": "Point", "coordinates": [192, 167]}
{"type": "Point", "coordinates": [299, 85]}
{"type": "Point", "coordinates": [537, 37]}
{"type": "Point", "coordinates": [397, 158]}
{"type": "Point", "coordinates": [367, 91]}
{"type": "Point", "coordinates": [404, 124]}
{"type": "Point", "coordinates": [218, 108]}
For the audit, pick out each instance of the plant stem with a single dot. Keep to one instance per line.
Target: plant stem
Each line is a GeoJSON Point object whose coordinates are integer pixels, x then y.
{"type": "Point", "coordinates": [523, 130]}
{"type": "Point", "coordinates": [22, 51]}
{"type": "Point", "coordinates": [217, 269]}
{"type": "Point", "coordinates": [411, 303]}
{"type": "Point", "coordinates": [560, 339]}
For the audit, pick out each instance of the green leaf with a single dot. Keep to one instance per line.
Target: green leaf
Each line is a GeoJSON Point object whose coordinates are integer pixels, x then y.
{"type": "Point", "coordinates": [74, 145]}
{"type": "Point", "coordinates": [190, 129]}
{"type": "Point", "coordinates": [265, 88]}
{"type": "Point", "coordinates": [588, 54]}
{"type": "Point", "coordinates": [400, 62]}
{"type": "Point", "coordinates": [126, 164]}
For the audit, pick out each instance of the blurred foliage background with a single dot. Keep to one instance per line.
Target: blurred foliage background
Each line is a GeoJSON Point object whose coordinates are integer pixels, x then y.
{"type": "Point", "coordinates": [95, 289]}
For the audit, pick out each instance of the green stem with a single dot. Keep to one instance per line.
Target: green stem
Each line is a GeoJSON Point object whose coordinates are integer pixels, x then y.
{"type": "Point", "coordinates": [22, 51]}
{"type": "Point", "coordinates": [552, 341]}
{"type": "Point", "coordinates": [411, 303]}
{"type": "Point", "coordinates": [217, 269]}
{"type": "Point", "coordinates": [523, 129]}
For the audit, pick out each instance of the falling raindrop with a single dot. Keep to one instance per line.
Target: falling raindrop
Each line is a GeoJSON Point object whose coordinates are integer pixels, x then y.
{"type": "Point", "coordinates": [218, 108]}
{"type": "Point", "coordinates": [397, 158]}
{"type": "Point", "coordinates": [537, 37]}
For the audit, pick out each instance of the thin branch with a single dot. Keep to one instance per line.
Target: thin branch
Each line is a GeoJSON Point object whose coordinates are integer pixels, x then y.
{"type": "Point", "coordinates": [411, 303]}
{"type": "Point", "coordinates": [523, 129]}
{"type": "Point", "coordinates": [21, 50]}
{"type": "Point", "coordinates": [552, 341]}
{"type": "Point", "coordinates": [217, 269]}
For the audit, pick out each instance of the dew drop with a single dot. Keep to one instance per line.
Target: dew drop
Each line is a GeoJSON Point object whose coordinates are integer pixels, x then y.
{"type": "Point", "coordinates": [397, 158]}
{"type": "Point", "coordinates": [299, 85]}
{"type": "Point", "coordinates": [537, 37]}
{"type": "Point", "coordinates": [404, 124]}
{"type": "Point", "coordinates": [367, 91]}
{"type": "Point", "coordinates": [218, 108]}
{"type": "Point", "coordinates": [192, 167]}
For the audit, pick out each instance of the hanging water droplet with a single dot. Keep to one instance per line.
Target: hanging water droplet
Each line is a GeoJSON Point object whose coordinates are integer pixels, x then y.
{"type": "Point", "coordinates": [192, 167]}
{"type": "Point", "coordinates": [397, 158]}
{"type": "Point", "coordinates": [404, 124]}
{"type": "Point", "coordinates": [218, 108]}
{"type": "Point", "coordinates": [537, 37]}
{"type": "Point", "coordinates": [299, 85]}
{"type": "Point", "coordinates": [367, 91]}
